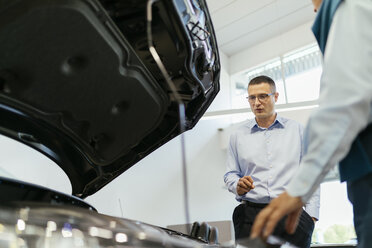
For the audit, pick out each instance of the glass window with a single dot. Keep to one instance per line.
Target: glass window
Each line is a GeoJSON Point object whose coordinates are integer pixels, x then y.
{"type": "Point", "coordinates": [335, 223]}
{"type": "Point", "coordinates": [304, 86]}
{"type": "Point", "coordinates": [302, 69]}
{"type": "Point", "coordinates": [296, 74]}
{"type": "Point", "coordinates": [238, 100]}
{"type": "Point", "coordinates": [271, 69]}
{"type": "Point", "coordinates": [280, 89]}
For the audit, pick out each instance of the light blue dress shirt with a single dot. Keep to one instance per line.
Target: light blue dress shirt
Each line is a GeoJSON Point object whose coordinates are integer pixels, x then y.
{"type": "Point", "coordinates": [271, 156]}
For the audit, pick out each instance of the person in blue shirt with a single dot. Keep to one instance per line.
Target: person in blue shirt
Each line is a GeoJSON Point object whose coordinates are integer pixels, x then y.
{"type": "Point", "coordinates": [340, 131]}
{"type": "Point", "coordinates": [264, 154]}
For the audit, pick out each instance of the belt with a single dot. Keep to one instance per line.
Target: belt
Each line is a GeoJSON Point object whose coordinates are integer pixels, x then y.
{"type": "Point", "coordinates": [254, 204]}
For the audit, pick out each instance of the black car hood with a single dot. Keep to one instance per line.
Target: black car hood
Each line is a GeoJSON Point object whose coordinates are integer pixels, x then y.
{"type": "Point", "coordinates": [78, 83]}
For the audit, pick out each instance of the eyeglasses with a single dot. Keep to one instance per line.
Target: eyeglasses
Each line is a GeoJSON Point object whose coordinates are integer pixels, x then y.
{"type": "Point", "coordinates": [261, 97]}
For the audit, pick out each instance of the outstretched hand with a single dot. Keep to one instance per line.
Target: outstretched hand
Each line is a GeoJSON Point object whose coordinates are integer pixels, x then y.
{"type": "Point", "coordinates": [267, 219]}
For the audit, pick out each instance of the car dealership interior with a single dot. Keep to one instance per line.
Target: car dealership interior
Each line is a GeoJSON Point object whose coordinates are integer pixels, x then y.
{"type": "Point", "coordinates": [140, 100]}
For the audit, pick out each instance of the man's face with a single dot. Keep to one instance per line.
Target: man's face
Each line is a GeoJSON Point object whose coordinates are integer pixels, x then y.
{"type": "Point", "coordinates": [317, 4]}
{"type": "Point", "coordinates": [262, 108]}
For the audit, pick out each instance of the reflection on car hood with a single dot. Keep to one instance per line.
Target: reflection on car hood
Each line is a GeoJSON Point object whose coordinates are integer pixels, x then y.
{"type": "Point", "coordinates": [44, 225]}
{"type": "Point", "coordinates": [78, 83]}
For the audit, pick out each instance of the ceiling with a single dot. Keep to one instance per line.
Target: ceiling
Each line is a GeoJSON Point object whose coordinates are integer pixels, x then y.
{"type": "Point", "coordinates": [240, 24]}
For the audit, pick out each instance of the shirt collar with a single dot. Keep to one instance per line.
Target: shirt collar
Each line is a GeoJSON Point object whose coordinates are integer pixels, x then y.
{"type": "Point", "coordinates": [279, 122]}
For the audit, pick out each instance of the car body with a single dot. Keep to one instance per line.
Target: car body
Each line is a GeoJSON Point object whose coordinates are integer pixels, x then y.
{"type": "Point", "coordinates": [79, 84]}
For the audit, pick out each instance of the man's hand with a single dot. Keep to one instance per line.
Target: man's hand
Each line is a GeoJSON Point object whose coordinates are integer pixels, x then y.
{"type": "Point", "coordinates": [245, 184]}
{"type": "Point", "coordinates": [267, 219]}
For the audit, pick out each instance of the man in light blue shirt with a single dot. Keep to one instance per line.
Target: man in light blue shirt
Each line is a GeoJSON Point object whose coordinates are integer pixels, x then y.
{"type": "Point", "coordinates": [264, 154]}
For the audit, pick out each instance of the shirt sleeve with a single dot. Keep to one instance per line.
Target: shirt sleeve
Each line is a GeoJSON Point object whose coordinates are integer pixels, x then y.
{"type": "Point", "coordinates": [345, 97]}
{"type": "Point", "coordinates": [233, 173]}
{"type": "Point", "coordinates": [313, 204]}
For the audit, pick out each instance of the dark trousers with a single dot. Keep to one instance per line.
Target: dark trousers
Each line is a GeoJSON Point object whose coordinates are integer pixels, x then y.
{"type": "Point", "coordinates": [244, 215]}
{"type": "Point", "coordinates": [360, 195]}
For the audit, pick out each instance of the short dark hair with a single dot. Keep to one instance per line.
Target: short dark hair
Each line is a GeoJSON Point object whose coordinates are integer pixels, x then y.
{"type": "Point", "coordinates": [263, 79]}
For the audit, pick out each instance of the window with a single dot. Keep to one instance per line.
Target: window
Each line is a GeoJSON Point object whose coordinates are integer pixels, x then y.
{"type": "Point", "coordinates": [296, 74]}
{"type": "Point", "coordinates": [335, 225]}
{"type": "Point", "coordinates": [302, 74]}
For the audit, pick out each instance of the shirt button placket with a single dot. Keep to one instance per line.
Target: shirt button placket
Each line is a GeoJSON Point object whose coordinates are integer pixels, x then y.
{"type": "Point", "coordinates": [269, 180]}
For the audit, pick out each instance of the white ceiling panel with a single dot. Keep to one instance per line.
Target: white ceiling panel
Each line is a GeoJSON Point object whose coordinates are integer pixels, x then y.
{"type": "Point", "coordinates": [215, 5]}
{"type": "Point", "coordinates": [240, 24]}
{"type": "Point", "coordinates": [235, 12]}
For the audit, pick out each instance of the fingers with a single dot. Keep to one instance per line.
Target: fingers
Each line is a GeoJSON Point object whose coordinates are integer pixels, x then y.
{"type": "Point", "coordinates": [292, 221]}
{"type": "Point", "coordinates": [259, 223]}
{"type": "Point", "coordinates": [249, 178]}
{"type": "Point", "coordinates": [266, 222]}
{"type": "Point", "coordinates": [241, 190]}
{"type": "Point", "coordinates": [272, 221]}
{"type": "Point", "coordinates": [246, 183]}
{"type": "Point", "coordinates": [267, 219]}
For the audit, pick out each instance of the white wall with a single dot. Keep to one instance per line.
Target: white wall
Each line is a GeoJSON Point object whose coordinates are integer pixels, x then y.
{"type": "Point", "coordinates": [24, 163]}
{"type": "Point", "coordinates": [222, 100]}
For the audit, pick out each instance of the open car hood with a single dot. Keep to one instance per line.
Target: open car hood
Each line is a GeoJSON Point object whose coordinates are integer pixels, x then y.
{"type": "Point", "coordinates": [78, 83]}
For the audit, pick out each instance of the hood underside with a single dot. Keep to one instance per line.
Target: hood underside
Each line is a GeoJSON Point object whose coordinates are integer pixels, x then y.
{"type": "Point", "coordinates": [78, 83]}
